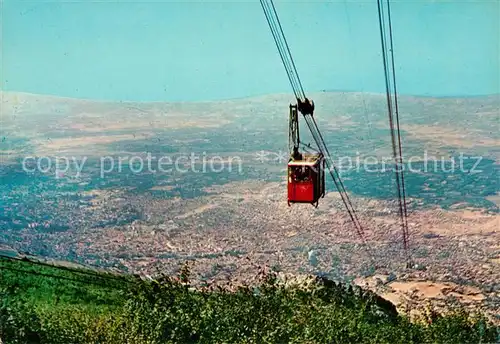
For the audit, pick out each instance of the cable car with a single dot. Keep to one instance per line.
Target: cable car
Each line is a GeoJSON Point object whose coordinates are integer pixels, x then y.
{"type": "Point", "coordinates": [306, 179]}
{"type": "Point", "coordinates": [306, 171]}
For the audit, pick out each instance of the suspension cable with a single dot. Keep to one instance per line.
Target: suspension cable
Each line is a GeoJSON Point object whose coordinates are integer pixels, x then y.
{"type": "Point", "coordinates": [289, 53]}
{"type": "Point", "coordinates": [335, 175]}
{"type": "Point", "coordinates": [278, 36]}
{"type": "Point", "coordinates": [397, 120]}
{"type": "Point", "coordinates": [396, 147]}
{"type": "Point", "coordinates": [94, 277]}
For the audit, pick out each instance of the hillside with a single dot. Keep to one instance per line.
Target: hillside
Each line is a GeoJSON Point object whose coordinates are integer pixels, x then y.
{"type": "Point", "coordinates": [47, 304]}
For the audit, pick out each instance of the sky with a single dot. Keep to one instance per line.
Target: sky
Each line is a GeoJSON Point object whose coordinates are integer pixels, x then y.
{"type": "Point", "coordinates": [209, 50]}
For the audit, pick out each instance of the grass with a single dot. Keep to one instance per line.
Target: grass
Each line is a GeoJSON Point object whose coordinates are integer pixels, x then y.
{"type": "Point", "coordinates": [44, 304]}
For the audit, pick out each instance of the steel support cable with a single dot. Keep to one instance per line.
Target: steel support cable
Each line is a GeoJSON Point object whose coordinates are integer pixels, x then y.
{"type": "Point", "coordinates": [338, 182]}
{"type": "Point", "coordinates": [40, 274]}
{"type": "Point", "coordinates": [400, 146]}
{"type": "Point", "coordinates": [281, 41]}
{"type": "Point", "coordinates": [326, 153]}
{"type": "Point", "coordinates": [271, 20]}
{"type": "Point", "coordinates": [332, 169]}
{"type": "Point", "coordinates": [397, 157]}
{"type": "Point", "coordinates": [394, 112]}
{"type": "Point", "coordinates": [288, 50]}
{"type": "Point", "coordinates": [335, 169]}
{"type": "Point", "coordinates": [64, 268]}
{"type": "Point", "coordinates": [390, 114]}
{"type": "Point", "coordinates": [389, 69]}
{"type": "Point", "coordinates": [284, 49]}
{"type": "Point", "coordinates": [277, 41]}
{"type": "Point", "coordinates": [280, 45]}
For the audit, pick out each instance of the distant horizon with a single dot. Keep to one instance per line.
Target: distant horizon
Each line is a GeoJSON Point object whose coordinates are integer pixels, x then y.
{"type": "Point", "coordinates": [14, 92]}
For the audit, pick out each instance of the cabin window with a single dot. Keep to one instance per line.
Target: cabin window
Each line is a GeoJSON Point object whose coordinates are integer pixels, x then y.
{"type": "Point", "coordinates": [301, 174]}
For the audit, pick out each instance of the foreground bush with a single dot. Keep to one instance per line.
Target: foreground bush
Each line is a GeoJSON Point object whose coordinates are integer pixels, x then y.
{"type": "Point", "coordinates": [169, 311]}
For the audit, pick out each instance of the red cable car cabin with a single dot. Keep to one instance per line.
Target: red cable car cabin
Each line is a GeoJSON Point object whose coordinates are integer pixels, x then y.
{"type": "Point", "coordinates": [306, 179]}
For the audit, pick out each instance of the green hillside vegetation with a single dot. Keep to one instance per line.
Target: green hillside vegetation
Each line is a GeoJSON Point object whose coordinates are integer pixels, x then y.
{"type": "Point", "coordinates": [47, 304]}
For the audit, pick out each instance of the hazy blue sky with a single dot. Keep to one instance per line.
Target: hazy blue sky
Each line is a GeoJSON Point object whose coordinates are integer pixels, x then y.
{"type": "Point", "coordinates": [165, 50]}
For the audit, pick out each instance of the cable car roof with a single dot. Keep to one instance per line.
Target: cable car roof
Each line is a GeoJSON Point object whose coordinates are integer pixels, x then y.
{"type": "Point", "coordinates": [302, 163]}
